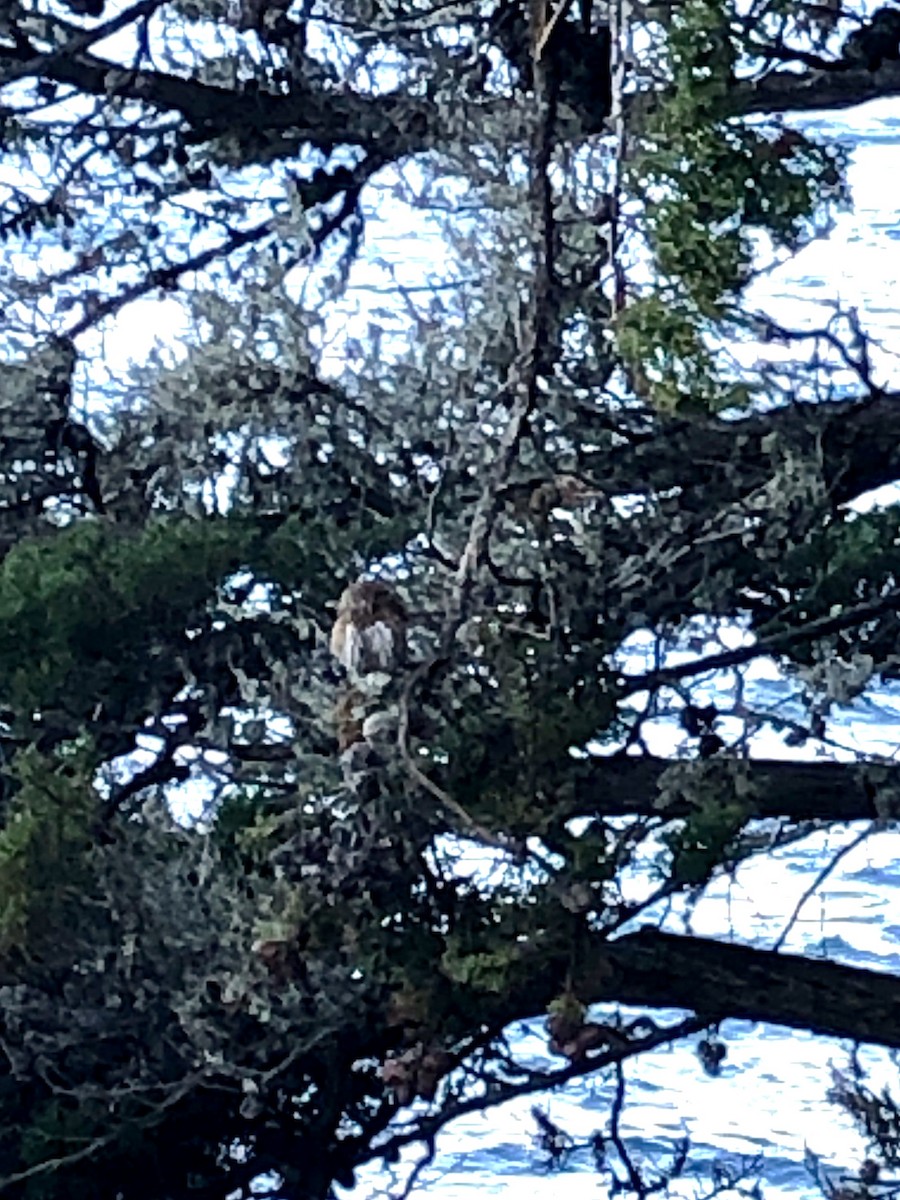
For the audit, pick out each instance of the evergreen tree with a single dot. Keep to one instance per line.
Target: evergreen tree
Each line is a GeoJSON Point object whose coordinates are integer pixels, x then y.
{"type": "Point", "coordinates": [333, 632]}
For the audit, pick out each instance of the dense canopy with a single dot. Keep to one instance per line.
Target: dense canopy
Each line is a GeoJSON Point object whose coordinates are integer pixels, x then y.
{"type": "Point", "coordinates": [393, 442]}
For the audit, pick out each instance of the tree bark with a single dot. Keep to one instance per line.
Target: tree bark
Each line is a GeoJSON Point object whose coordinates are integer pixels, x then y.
{"type": "Point", "coordinates": [807, 91]}
{"type": "Point", "coordinates": [859, 442]}
{"type": "Point", "coordinates": [633, 787]}
{"type": "Point", "coordinates": [799, 791]}
{"type": "Point", "coordinates": [654, 969]}
{"type": "Point", "coordinates": [268, 126]}
{"type": "Point", "coordinates": [716, 981]}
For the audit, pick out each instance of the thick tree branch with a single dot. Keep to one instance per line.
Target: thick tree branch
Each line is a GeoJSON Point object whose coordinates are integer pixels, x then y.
{"type": "Point", "coordinates": [392, 125]}
{"type": "Point", "coordinates": [859, 442]}
{"type": "Point", "coordinates": [654, 969]}
{"type": "Point", "coordinates": [617, 787]}
{"type": "Point", "coordinates": [267, 125]}
{"type": "Point", "coordinates": [715, 980]}
{"type": "Point", "coordinates": [805, 91]}
{"type": "Point", "coordinates": [796, 790]}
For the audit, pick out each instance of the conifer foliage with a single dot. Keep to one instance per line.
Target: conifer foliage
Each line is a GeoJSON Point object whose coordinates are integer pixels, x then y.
{"type": "Point", "coordinates": [340, 623]}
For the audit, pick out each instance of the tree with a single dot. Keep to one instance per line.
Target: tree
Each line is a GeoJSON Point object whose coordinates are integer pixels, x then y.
{"type": "Point", "coordinates": [536, 443]}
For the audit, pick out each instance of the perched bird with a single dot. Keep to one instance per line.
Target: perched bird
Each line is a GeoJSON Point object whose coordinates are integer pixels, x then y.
{"type": "Point", "coordinates": [369, 633]}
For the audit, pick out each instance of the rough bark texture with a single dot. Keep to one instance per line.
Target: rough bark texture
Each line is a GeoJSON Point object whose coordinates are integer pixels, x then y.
{"type": "Point", "coordinates": [710, 977]}
{"type": "Point", "coordinates": [822, 791]}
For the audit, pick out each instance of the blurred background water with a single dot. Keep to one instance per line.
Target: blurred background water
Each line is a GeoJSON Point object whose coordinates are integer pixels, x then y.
{"type": "Point", "coordinates": [770, 1101]}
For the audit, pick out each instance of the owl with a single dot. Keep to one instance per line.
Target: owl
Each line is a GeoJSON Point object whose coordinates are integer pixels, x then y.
{"type": "Point", "coordinates": [369, 633]}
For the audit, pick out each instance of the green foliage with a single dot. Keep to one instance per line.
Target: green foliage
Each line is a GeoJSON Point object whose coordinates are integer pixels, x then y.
{"type": "Point", "coordinates": [484, 971]}
{"type": "Point", "coordinates": [85, 612]}
{"type": "Point", "coordinates": [59, 1127]}
{"type": "Point", "coordinates": [710, 180]}
{"type": "Point", "coordinates": [852, 561]}
{"type": "Point", "coordinates": [240, 825]}
{"type": "Point", "coordinates": [89, 611]}
{"type": "Point", "coordinates": [537, 706]}
{"type": "Point", "coordinates": [188, 1008]}
{"type": "Point", "coordinates": [856, 553]}
{"type": "Point", "coordinates": [663, 340]}
{"type": "Point", "coordinates": [567, 1007]}
{"type": "Point", "coordinates": [310, 552]}
{"type": "Point", "coordinates": [47, 878]}
{"type": "Point", "coordinates": [701, 843]}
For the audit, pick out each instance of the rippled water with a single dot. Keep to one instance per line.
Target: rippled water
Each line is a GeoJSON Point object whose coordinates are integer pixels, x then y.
{"type": "Point", "coordinates": [770, 1099]}
{"type": "Point", "coordinates": [769, 1103]}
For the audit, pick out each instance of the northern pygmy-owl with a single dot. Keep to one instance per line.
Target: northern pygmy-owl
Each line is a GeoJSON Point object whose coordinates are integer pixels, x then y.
{"type": "Point", "coordinates": [369, 633]}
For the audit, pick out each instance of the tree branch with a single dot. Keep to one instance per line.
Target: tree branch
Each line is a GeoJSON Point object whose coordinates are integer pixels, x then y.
{"type": "Point", "coordinates": [805, 91]}
{"type": "Point", "coordinates": [859, 440]}
{"type": "Point", "coordinates": [783, 640]}
{"type": "Point", "coordinates": [267, 125]}
{"type": "Point", "coordinates": [720, 981]}
{"type": "Point", "coordinates": [796, 790]}
{"type": "Point", "coordinates": [308, 115]}
{"type": "Point", "coordinates": [43, 63]}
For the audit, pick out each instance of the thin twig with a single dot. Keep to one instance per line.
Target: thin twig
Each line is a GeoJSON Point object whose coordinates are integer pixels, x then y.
{"type": "Point", "coordinates": [41, 63]}
{"type": "Point", "coordinates": [821, 877]}
{"type": "Point", "coordinates": [776, 642]}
